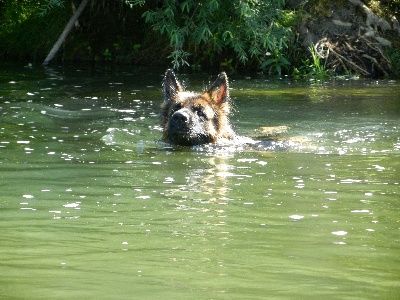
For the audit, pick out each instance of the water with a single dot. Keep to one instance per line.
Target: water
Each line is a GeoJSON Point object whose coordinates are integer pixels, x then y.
{"type": "Point", "coordinates": [92, 207]}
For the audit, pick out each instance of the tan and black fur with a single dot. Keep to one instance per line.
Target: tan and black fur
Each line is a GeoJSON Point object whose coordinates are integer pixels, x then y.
{"type": "Point", "coordinates": [189, 118]}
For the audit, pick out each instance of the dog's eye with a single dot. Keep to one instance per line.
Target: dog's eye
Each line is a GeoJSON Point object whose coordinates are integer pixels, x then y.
{"type": "Point", "coordinates": [176, 107]}
{"type": "Point", "coordinates": [201, 114]}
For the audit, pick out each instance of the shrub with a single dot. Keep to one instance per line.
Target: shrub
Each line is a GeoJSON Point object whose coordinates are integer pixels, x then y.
{"type": "Point", "coordinates": [213, 31]}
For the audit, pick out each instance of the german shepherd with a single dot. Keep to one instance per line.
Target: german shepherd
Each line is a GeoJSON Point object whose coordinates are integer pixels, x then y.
{"type": "Point", "coordinates": [190, 118]}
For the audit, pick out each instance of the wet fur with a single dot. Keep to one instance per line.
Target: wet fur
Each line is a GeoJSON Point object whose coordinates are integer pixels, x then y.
{"type": "Point", "coordinates": [190, 118]}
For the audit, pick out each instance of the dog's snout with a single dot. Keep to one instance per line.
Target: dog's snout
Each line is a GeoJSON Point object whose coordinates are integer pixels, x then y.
{"type": "Point", "coordinates": [180, 117]}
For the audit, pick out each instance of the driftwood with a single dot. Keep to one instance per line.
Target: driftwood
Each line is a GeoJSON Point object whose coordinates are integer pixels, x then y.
{"type": "Point", "coordinates": [357, 54]}
{"type": "Point", "coordinates": [65, 32]}
{"type": "Point", "coordinates": [351, 39]}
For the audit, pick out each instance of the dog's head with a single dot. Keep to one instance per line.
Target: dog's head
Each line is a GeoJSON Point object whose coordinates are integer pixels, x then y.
{"type": "Point", "coordinates": [189, 118]}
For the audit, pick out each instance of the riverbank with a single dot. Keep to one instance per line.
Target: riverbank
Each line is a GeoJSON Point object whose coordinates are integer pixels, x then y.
{"type": "Point", "coordinates": [302, 38]}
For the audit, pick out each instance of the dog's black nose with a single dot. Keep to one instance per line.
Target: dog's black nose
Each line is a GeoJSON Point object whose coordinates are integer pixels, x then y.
{"type": "Point", "coordinates": [180, 117]}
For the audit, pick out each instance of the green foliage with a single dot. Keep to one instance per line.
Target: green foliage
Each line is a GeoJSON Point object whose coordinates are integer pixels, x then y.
{"type": "Point", "coordinates": [24, 33]}
{"type": "Point", "coordinates": [314, 67]}
{"type": "Point", "coordinates": [318, 69]}
{"type": "Point", "coordinates": [15, 12]}
{"type": "Point", "coordinates": [394, 6]}
{"type": "Point", "coordinates": [107, 54]}
{"type": "Point", "coordinates": [136, 48]}
{"type": "Point", "coordinates": [47, 5]}
{"type": "Point", "coordinates": [382, 8]}
{"type": "Point", "coordinates": [276, 61]}
{"type": "Point", "coordinates": [179, 58]}
{"type": "Point", "coordinates": [29, 28]}
{"type": "Point", "coordinates": [220, 30]}
{"type": "Point", "coordinates": [393, 56]}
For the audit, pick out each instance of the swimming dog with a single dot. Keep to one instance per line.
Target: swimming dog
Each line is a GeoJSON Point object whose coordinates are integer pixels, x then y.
{"type": "Point", "coordinates": [190, 118]}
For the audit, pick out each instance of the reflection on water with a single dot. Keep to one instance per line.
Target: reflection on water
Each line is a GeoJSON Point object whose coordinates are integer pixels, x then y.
{"type": "Point", "coordinates": [91, 203]}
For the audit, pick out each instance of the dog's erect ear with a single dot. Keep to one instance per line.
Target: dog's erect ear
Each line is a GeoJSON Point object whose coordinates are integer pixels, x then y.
{"type": "Point", "coordinates": [219, 90]}
{"type": "Point", "coordinates": [171, 86]}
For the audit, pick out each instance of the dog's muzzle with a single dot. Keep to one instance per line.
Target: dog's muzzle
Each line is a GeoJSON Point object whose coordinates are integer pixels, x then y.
{"type": "Point", "coordinates": [184, 130]}
{"type": "Point", "coordinates": [179, 122]}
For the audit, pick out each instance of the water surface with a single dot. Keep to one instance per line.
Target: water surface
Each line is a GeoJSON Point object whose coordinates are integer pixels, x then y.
{"type": "Point", "coordinates": [93, 207]}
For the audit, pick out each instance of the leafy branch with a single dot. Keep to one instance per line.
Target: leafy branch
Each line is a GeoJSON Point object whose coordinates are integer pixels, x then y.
{"type": "Point", "coordinates": [48, 5]}
{"type": "Point", "coordinates": [248, 29]}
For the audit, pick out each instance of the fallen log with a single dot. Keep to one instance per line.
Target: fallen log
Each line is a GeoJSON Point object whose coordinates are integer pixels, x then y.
{"type": "Point", "coordinates": [65, 32]}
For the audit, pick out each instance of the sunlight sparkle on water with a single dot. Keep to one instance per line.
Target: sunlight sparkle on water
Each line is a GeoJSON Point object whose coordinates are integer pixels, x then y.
{"type": "Point", "coordinates": [72, 205]}
{"type": "Point", "coordinates": [339, 232]}
{"type": "Point", "coordinates": [168, 180]}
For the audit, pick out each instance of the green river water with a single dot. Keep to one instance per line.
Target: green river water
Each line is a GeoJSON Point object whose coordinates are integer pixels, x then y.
{"type": "Point", "coordinates": [93, 207]}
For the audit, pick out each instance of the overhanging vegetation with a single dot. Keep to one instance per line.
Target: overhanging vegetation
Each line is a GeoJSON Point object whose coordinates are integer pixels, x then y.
{"type": "Point", "coordinates": [299, 38]}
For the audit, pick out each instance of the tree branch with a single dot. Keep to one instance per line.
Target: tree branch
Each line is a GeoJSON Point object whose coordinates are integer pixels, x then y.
{"type": "Point", "coordinates": [65, 32]}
